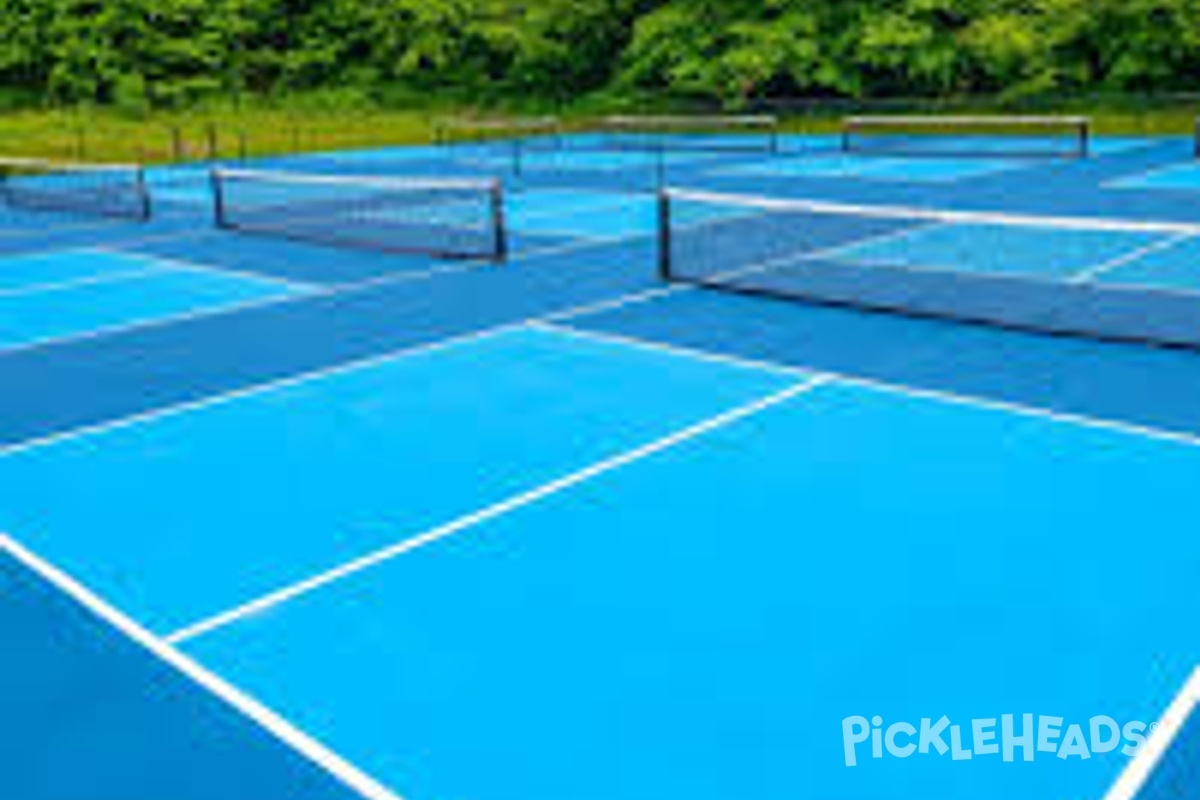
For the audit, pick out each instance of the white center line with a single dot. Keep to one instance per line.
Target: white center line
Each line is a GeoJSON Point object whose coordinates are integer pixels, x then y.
{"type": "Point", "coordinates": [488, 513]}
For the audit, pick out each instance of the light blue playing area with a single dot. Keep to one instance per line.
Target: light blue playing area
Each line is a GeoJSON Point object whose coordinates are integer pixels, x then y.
{"type": "Point", "coordinates": [1178, 177]}
{"type": "Point", "coordinates": [57, 296]}
{"type": "Point", "coordinates": [285, 520]}
{"type": "Point", "coordinates": [882, 168]}
{"type": "Point", "coordinates": [999, 249]}
{"type": "Point", "coordinates": [631, 572]}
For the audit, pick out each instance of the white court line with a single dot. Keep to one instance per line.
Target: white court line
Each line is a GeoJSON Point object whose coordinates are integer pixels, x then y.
{"type": "Point", "coordinates": [812, 379]}
{"type": "Point", "coordinates": [595, 201]}
{"type": "Point", "coordinates": [1090, 274]}
{"type": "Point", "coordinates": [344, 367]}
{"type": "Point", "coordinates": [609, 304]}
{"type": "Point", "coordinates": [87, 280]}
{"type": "Point", "coordinates": [110, 224]}
{"type": "Point", "coordinates": [252, 390]}
{"type": "Point", "coordinates": [99, 277]}
{"type": "Point", "coordinates": [1139, 769]}
{"type": "Point", "coordinates": [298, 292]}
{"type": "Point", "coordinates": [291, 592]}
{"type": "Point", "coordinates": [44, 248]}
{"type": "Point", "coordinates": [869, 172]}
{"type": "Point", "coordinates": [842, 251]}
{"type": "Point", "coordinates": [948, 398]}
{"type": "Point", "coordinates": [579, 237]}
{"type": "Point", "coordinates": [209, 682]}
{"type": "Point", "coordinates": [1135, 180]}
{"type": "Point", "coordinates": [146, 323]}
{"type": "Point", "coordinates": [580, 242]}
{"type": "Point", "coordinates": [185, 265]}
{"type": "Point", "coordinates": [691, 354]}
{"type": "Point", "coordinates": [563, 315]}
{"type": "Point", "coordinates": [157, 265]}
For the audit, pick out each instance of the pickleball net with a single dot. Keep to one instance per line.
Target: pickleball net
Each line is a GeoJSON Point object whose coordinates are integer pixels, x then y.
{"type": "Point", "coordinates": [528, 132]}
{"type": "Point", "coordinates": [951, 136]}
{"type": "Point", "coordinates": [1086, 277]}
{"type": "Point", "coordinates": [681, 133]}
{"type": "Point", "coordinates": [117, 191]}
{"type": "Point", "coordinates": [448, 219]}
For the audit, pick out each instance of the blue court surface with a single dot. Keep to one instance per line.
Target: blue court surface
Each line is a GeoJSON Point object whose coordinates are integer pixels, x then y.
{"type": "Point", "coordinates": [281, 519]}
{"type": "Point", "coordinates": [1183, 177]}
{"type": "Point", "coordinates": [55, 296]}
{"type": "Point", "coordinates": [881, 168]}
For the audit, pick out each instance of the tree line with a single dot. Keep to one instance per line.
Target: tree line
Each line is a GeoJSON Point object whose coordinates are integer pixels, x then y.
{"type": "Point", "coordinates": [732, 53]}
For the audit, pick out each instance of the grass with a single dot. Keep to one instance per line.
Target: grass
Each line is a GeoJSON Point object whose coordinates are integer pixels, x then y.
{"type": "Point", "coordinates": [103, 135]}
{"type": "Point", "coordinates": [310, 125]}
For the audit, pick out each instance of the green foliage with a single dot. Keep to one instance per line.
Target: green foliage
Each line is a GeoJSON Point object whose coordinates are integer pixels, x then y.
{"type": "Point", "coordinates": [138, 55]}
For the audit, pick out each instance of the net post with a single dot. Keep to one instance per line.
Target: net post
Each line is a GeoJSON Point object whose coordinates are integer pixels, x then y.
{"type": "Point", "coordinates": [664, 235]}
{"type": "Point", "coordinates": [5, 175]}
{"type": "Point", "coordinates": [499, 224]}
{"type": "Point", "coordinates": [143, 193]}
{"type": "Point", "coordinates": [1085, 138]}
{"type": "Point", "coordinates": [1196, 140]}
{"type": "Point", "coordinates": [176, 144]}
{"type": "Point", "coordinates": [847, 124]}
{"type": "Point", "coordinates": [218, 194]}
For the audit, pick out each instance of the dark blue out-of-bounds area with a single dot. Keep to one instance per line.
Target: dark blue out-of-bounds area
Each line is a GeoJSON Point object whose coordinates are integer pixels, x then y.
{"type": "Point", "coordinates": [153, 351]}
{"type": "Point", "coordinates": [1177, 776]}
{"type": "Point", "coordinates": [90, 714]}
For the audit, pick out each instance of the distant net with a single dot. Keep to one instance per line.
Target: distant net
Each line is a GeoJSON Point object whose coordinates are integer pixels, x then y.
{"type": "Point", "coordinates": [1102, 279]}
{"type": "Point", "coordinates": [997, 136]}
{"type": "Point", "coordinates": [531, 132]}
{"type": "Point", "coordinates": [450, 219]}
{"type": "Point", "coordinates": [711, 133]}
{"type": "Point", "coordinates": [96, 190]}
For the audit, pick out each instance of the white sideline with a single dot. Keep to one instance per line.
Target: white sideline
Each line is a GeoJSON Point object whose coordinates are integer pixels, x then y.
{"type": "Point", "coordinates": [905, 390]}
{"type": "Point", "coordinates": [811, 379]}
{"type": "Point", "coordinates": [298, 292]}
{"type": "Point", "coordinates": [72, 283]}
{"type": "Point", "coordinates": [262, 716]}
{"type": "Point", "coordinates": [151, 265]}
{"type": "Point", "coordinates": [1134, 776]}
{"type": "Point", "coordinates": [347, 366]}
{"type": "Point", "coordinates": [1114, 264]}
{"type": "Point", "coordinates": [185, 265]}
{"type": "Point", "coordinates": [692, 354]}
{"type": "Point", "coordinates": [155, 322]}
{"type": "Point", "coordinates": [1136, 181]}
{"type": "Point", "coordinates": [248, 391]}
{"type": "Point", "coordinates": [288, 593]}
